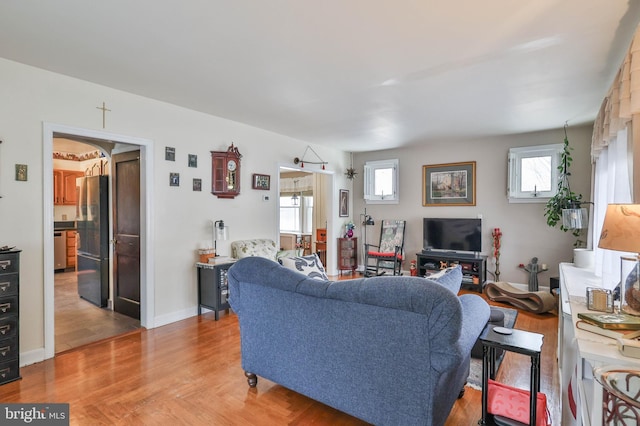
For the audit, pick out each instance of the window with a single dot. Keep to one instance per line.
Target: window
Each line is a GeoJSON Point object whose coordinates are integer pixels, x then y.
{"type": "Point", "coordinates": [381, 182]}
{"type": "Point", "coordinates": [533, 173]}
{"type": "Point", "coordinates": [296, 219]}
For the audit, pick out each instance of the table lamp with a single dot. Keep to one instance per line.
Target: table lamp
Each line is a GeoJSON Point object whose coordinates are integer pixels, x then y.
{"type": "Point", "coordinates": [621, 232]}
{"type": "Point", "coordinates": [220, 233]}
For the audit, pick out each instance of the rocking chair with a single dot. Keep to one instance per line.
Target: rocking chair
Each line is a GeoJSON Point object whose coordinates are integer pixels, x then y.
{"type": "Point", "coordinates": [388, 255]}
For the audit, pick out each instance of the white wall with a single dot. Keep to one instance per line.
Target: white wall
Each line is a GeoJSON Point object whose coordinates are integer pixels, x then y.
{"type": "Point", "coordinates": [524, 228]}
{"type": "Point", "coordinates": [31, 96]}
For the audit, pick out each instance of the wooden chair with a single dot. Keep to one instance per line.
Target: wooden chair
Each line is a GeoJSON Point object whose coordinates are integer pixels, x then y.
{"type": "Point", "coordinates": [389, 253]}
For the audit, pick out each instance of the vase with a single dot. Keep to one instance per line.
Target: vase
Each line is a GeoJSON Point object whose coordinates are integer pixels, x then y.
{"type": "Point", "coordinates": [350, 233]}
{"type": "Point", "coordinates": [630, 285]}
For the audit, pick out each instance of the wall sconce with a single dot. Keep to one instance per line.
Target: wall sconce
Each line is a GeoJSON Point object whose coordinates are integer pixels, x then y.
{"type": "Point", "coordinates": [220, 233]}
{"type": "Point", "coordinates": [302, 160]}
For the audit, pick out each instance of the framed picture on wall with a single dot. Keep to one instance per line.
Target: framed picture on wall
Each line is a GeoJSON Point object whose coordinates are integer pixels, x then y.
{"type": "Point", "coordinates": [344, 202]}
{"type": "Point", "coordinates": [197, 184]}
{"type": "Point", "coordinates": [452, 184]}
{"type": "Point", "coordinates": [261, 181]}
{"type": "Point", "coordinates": [169, 153]}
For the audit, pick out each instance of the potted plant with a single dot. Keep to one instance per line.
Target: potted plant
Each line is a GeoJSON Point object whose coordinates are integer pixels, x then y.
{"type": "Point", "coordinates": [565, 198]}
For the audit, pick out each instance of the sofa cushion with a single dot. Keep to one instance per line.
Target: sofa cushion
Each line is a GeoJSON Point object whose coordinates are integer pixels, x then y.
{"type": "Point", "coordinates": [450, 278]}
{"type": "Point", "coordinates": [258, 247]}
{"type": "Point", "coordinates": [310, 265]}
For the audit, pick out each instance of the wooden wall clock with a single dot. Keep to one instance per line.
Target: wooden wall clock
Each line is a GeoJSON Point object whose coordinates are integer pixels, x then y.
{"type": "Point", "coordinates": [225, 172]}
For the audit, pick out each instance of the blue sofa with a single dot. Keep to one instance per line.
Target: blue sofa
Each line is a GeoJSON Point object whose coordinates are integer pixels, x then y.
{"type": "Point", "coordinates": [389, 350]}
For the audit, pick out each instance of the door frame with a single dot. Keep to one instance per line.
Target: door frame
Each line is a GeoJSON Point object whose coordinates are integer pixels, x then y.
{"type": "Point", "coordinates": [147, 287]}
{"type": "Point", "coordinates": [331, 209]}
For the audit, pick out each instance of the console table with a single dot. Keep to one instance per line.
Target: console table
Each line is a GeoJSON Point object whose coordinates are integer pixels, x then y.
{"type": "Point", "coordinates": [474, 268]}
{"type": "Point", "coordinates": [579, 351]}
{"type": "Point", "coordinates": [213, 289]}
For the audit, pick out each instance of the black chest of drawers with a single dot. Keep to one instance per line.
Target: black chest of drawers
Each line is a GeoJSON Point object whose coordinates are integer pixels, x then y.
{"type": "Point", "coordinates": [9, 316]}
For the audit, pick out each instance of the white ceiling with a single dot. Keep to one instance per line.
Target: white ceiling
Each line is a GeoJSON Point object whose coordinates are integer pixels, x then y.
{"type": "Point", "coordinates": [350, 74]}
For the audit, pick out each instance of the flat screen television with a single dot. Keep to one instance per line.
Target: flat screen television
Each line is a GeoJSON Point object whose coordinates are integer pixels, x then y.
{"type": "Point", "coordinates": [452, 234]}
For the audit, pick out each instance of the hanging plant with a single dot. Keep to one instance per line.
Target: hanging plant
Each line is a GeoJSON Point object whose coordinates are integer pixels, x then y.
{"type": "Point", "coordinates": [564, 198]}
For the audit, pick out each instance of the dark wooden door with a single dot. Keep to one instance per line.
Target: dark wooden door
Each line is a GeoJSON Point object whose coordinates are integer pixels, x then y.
{"type": "Point", "coordinates": [126, 233]}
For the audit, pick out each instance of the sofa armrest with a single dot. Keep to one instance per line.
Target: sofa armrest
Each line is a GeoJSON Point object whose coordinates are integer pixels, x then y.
{"type": "Point", "coordinates": [450, 278]}
{"type": "Point", "coordinates": [475, 314]}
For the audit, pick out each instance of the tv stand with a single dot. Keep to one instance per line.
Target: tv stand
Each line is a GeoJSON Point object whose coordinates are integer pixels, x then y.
{"type": "Point", "coordinates": [474, 266]}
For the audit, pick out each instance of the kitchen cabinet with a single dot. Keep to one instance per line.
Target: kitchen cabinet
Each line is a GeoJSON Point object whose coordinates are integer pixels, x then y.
{"type": "Point", "coordinates": [71, 249]}
{"type": "Point", "coordinates": [64, 187]}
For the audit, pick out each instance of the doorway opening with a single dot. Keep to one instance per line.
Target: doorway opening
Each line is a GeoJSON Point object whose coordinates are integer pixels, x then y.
{"type": "Point", "coordinates": [305, 205]}
{"type": "Point", "coordinates": [109, 144]}
{"type": "Point", "coordinates": [83, 294]}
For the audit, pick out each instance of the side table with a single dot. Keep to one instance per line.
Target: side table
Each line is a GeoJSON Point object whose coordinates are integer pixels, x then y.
{"type": "Point", "coordinates": [213, 290]}
{"type": "Point", "coordinates": [519, 341]}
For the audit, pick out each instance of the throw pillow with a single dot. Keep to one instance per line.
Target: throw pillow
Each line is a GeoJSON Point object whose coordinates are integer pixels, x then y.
{"type": "Point", "coordinates": [436, 275]}
{"type": "Point", "coordinates": [310, 265]}
{"type": "Point", "coordinates": [447, 278]}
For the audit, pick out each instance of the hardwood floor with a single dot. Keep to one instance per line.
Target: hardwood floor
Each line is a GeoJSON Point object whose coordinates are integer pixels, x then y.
{"type": "Point", "coordinates": [78, 322]}
{"type": "Point", "coordinates": [189, 372]}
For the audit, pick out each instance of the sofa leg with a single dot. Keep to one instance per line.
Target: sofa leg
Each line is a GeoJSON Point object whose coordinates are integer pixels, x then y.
{"type": "Point", "coordinates": [252, 379]}
{"type": "Point", "coordinates": [461, 394]}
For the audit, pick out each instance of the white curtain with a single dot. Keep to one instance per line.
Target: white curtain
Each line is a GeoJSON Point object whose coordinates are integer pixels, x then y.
{"type": "Point", "coordinates": [298, 184]}
{"type": "Point", "coordinates": [612, 185]}
{"type": "Point", "coordinates": [609, 150]}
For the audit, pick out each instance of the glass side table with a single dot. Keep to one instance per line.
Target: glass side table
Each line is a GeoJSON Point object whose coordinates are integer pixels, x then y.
{"type": "Point", "coordinates": [620, 395]}
{"type": "Point", "coordinates": [519, 341]}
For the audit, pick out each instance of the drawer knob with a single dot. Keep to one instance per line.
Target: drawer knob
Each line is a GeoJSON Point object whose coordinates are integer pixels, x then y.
{"type": "Point", "coordinates": [4, 264]}
{"type": "Point", "coordinates": [4, 286]}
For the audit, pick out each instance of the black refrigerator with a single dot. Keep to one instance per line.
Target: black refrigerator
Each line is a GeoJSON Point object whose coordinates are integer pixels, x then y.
{"type": "Point", "coordinates": [92, 222]}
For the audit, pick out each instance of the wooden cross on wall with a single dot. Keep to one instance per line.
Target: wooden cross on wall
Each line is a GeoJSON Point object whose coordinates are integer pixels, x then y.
{"type": "Point", "coordinates": [104, 112]}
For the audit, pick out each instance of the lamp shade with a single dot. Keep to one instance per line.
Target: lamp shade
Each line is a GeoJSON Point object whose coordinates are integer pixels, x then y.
{"type": "Point", "coordinates": [220, 231]}
{"type": "Point", "coordinates": [621, 228]}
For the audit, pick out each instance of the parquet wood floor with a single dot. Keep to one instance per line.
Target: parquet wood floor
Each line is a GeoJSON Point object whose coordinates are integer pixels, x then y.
{"type": "Point", "coordinates": [189, 372]}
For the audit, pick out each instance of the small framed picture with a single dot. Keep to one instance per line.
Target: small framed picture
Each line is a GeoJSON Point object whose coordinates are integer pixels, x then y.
{"type": "Point", "coordinates": [193, 160]}
{"type": "Point", "coordinates": [344, 202]}
{"type": "Point", "coordinates": [21, 172]}
{"type": "Point", "coordinates": [261, 181]}
{"type": "Point", "coordinates": [169, 153]}
{"type": "Point", "coordinates": [174, 179]}
{"type": "Point", "coordinates": [197, 184]}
